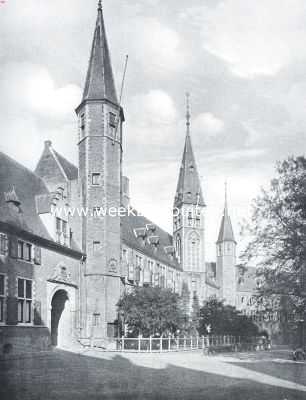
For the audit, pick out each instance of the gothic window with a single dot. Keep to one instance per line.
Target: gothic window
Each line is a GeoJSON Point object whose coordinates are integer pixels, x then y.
{"type": "Point", "coordinates": [194, 251]}
{"type": "Point", "coordinates": [228, 248]}
{"type": "Point", "coordinates": [189, 218]}
{"type": "Point", "coordinates": [178, 248]}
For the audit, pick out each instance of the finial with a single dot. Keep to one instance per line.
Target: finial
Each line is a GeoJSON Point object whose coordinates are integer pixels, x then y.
{"type": "Point", "coordinates": [225, 197]}
{"type": "Point", "coordinates": [100, 5]}
{"type": "Point", "coordinates": [188, 112]}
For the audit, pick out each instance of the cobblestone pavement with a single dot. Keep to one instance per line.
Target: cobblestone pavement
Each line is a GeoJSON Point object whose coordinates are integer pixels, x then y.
{"type": "Point", "coordinates": [97, 375]}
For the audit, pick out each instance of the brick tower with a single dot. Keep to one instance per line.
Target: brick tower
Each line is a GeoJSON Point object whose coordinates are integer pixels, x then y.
{"type": "Point", "coordinates": [189, 219]}
{"type": "Point", "coordinates": [100, 157]}
{"type": "Point", "coordinates": [226, 257]}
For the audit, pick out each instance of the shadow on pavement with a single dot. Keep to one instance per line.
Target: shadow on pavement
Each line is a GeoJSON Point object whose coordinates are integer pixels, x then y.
{"type": "Point", "coordinates": [63, 375]}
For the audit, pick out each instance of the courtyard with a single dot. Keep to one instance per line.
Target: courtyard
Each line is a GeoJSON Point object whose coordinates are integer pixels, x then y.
{"type": "Point", "coordinates": [190, 375]}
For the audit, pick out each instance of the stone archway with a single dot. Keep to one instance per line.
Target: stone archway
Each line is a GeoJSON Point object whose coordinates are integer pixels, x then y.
{"type": "Point", "coordinates": [61, 329]}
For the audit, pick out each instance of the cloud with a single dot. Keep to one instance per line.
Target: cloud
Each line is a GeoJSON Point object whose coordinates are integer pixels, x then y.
{"type": "Point", "coordinates": [31, 87]}
{"type": "Point", "coordinates": [151, 117]}
{"type": "Point", "coordinates": [253, 37]}
{"type": "Point", "coordinates": [34, 109]}
{"type": "Point", "coordinates": [155, 46]}
{"type": "Point", "coordinates": [208, 124]}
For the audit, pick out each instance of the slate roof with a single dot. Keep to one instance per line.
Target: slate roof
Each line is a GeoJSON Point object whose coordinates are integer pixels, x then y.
{"type": "Point", "coordinates": [226, 232]}
{"type": "Point", "coordinates": [188, 189]}
{"type": "Point", "coordinates": [129, 223]}
{"type": "Point", "coordinates": [100, 80]}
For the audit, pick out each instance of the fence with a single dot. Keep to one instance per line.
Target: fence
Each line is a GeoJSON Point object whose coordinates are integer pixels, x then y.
{"type": "Point", "coordinates": [209, 343]}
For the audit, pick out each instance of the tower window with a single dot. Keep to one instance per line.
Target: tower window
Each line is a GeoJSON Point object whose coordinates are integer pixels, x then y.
{"type": "Point", "coordinates": [82, 122]}
{"type": "Point", "coordinates": [96, 247]}
{"type": "Point", "coordinates": [95, 179]}
{"type": "Point", "coordinates": [112, 120]}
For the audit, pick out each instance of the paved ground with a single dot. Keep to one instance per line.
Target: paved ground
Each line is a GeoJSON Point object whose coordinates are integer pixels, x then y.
{"type": "Point", "coordinates": [181, 376]}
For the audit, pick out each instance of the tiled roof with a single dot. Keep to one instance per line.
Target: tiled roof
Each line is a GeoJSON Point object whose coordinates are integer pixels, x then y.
{"type": "Point", "coordinates": [100, 80]}
{"type": "Point", "coordinates": [32, 194]}
{"type": "Point", "coordinates": [188, 189]}
{"type": "Point", "coordinates": [54, 167]}
{"type": "Point", "coordinates": [71, 170]}
{"type": "Point", "coordinates": [130, 223]}
{"type": "Point", "coordinates": [27, 185]}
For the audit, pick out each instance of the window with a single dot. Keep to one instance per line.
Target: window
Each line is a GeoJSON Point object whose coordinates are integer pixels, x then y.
{"type": "Point", "coordinates": [2, 297]}
{"type": "Point", "coordinates": [82, 120]}
{"type": "Point", "coordinates": [194, 251]}
{"type": "Point", "coordinates": [61, 231]}
{"type": "Point", "coordinates": [3, 244]}
{"type": "Point", "coordinates": [24, 294]}
{"type": "Point", "coordinates": [178, 247]}
{"type": "Point", "coordinates": [138, 268]}
{"type": "Point", "coordinates": [96, 212]}
{"type": "Point", "coordinates": [112, 120]}
{"type": "Point", "coordinates": [219, 250]}
{"type": "Point", "coordinates": [95, 180]}
{"type": "Point", "coordinates": [96, 247]}
{"type": "Point", "coordinates": [24, 251]}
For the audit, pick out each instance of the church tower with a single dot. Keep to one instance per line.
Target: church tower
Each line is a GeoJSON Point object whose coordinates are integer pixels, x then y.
{"type": "Point", "coordinates": [100, 157]}
{"type": "Point", "coordinates": [189, 219]}
{"type": "Point", "coordinates": [226, 257]}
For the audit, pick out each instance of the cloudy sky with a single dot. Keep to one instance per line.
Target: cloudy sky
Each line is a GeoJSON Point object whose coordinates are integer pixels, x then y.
{"type": "Point", "coordinates": [243, 61]}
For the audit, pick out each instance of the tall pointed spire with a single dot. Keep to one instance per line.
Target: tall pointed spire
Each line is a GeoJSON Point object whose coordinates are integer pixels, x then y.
{"type": "Point", "coordinates": [188, 189]}
{"type": "Point", "coordinates": [226, 233]}
{"type": "Point", "coordinates": [99, 83]}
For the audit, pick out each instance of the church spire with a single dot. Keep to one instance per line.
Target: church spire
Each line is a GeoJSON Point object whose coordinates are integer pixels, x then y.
{"type": "Point", "coordinates": [99, 83]}
{"type": "Point", "coordinates": [226, 233]}
{"type": "Point", "coordinates": [188, 189]}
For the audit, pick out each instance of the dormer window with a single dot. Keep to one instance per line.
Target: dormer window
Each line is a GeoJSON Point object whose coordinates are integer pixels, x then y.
{"type": "Point", "coordinates": [112, 120]}
{"type": "Point", "coordinates": [61, 231]}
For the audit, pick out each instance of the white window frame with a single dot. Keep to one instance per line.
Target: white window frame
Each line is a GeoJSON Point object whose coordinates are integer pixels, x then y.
{"type": "Point", "coordinates": [24, 245]}
{"type": "Point", "coordinates": [25, 299]}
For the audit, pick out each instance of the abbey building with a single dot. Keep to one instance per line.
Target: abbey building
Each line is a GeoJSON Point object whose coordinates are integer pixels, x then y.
{"type": "Point", "coordinates": [62, 273]}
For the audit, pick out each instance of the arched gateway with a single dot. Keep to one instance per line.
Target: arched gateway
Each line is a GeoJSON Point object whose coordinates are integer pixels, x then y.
{"type": "Point", "coordinates": [61, 324]}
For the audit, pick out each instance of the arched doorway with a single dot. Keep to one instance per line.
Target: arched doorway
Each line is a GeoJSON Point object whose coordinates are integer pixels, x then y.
{"type": "Point", "coordinates": [60, 319]}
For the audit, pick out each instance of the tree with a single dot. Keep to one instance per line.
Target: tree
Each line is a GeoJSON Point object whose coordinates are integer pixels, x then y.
{"type": "Point", "coordinates": [195, 313]}
{"type": "Point", "coordinates": [185, 306]}
{"type": "Point", "coordinates": [224, 320]}
{"type": "Point", "coordinates": [277, 243]}
{"type": "Point", "coordinates": [150, 311]}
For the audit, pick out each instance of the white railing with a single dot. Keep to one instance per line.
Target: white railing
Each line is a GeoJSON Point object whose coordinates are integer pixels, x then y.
{"type": "Point", "coordinates": [186, 343]}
